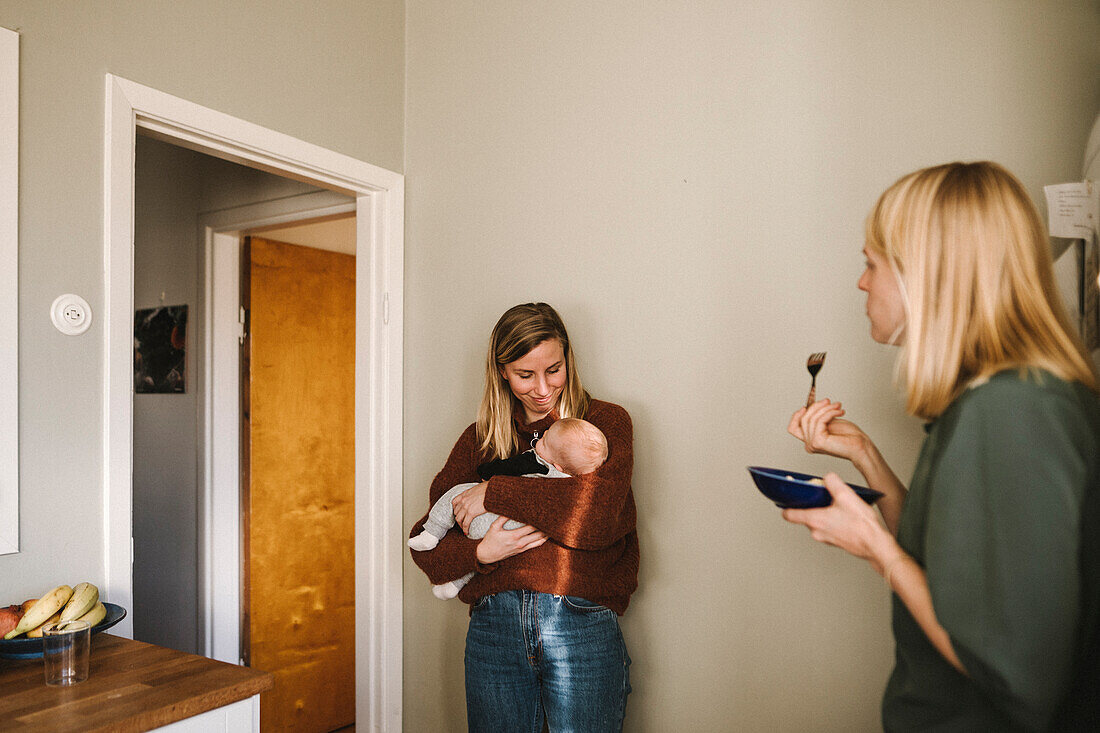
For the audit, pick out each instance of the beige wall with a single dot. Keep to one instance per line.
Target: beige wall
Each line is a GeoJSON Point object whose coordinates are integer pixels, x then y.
{"type": "Point", "coordinates": [687, 183]}
{"type": "Point", "coordinates": [329, 72]}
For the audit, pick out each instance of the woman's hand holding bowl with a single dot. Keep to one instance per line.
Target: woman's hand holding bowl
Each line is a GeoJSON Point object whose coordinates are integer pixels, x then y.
{"type": "Point", "coordinates": [848, 523]}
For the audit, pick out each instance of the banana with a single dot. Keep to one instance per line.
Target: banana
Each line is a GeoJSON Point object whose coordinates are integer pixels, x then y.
{"type": "Point", "coordinates": [41, 611]}
{"type": "Point", "coordinates": [84, 598]}
{"type": "Point", "coordinates": [97, 614]}
{"type": "Point", "coordinates": [37, 632]}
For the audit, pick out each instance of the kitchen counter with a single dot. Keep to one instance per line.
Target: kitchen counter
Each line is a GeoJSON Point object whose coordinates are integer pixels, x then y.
{"type": "Point", "coordinates": [131, 686]}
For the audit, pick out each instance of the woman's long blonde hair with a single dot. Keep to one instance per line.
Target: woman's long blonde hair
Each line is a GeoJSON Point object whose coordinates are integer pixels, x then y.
{"type": "Point", "coordinates": [520, 329]}
{"type": "Point", "coordinates": [974, 263]}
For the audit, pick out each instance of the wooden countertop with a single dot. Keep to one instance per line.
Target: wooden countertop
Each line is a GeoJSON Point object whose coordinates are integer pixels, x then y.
{"type": "Point", "coordinates": [132, 686]}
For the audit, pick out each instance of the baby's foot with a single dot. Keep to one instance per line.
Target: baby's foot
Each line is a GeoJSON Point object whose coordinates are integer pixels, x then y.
{"type": "Point", "coordinates": [423, 541]}
{"type": "Point", "coordinates": [445, 591]}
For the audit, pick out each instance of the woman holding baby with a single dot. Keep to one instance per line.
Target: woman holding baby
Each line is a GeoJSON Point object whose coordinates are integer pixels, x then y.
{"type": "Point", "coordinates": [993, 551]}
{"type": "Point", "coordinates": [544, 640]}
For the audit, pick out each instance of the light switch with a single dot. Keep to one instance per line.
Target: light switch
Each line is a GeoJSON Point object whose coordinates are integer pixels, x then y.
{"type": "Point", "coordinates": [71, 314]}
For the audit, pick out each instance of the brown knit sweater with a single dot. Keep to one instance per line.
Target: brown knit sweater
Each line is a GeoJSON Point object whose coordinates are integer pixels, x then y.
{"type": "Point", "coordinates": [592, 550]}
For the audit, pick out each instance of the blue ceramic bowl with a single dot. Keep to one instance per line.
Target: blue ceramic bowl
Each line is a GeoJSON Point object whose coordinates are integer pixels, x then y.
{"type": "Point", "coordinates": [793, 490]}
{"type": "Point", "coordinates": [24, 648]}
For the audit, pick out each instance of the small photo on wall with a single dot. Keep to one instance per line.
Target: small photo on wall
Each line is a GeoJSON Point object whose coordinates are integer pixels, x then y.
{"type": "Point", "coordinates": [160, 350]}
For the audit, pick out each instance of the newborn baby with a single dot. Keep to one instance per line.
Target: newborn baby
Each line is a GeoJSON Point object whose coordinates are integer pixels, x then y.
{"type": "Point", "coordinates": [569, 447]}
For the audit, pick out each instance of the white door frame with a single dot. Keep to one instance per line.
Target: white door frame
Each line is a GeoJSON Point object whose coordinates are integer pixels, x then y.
{"type": "Point", "coordinates": [219, 536]}
{"type": "Point", "coordinates": [379, 195]}
{"type": "Point", "coordinates": [9, 291]}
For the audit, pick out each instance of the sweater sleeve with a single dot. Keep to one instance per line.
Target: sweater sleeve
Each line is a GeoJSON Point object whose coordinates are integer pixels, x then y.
{"type": "Point", "coordinates": [456, 554]}
{"type": "Point", "coordinates": [1003, 534]}
{"type": "Point", "coordinates": [588, 512]}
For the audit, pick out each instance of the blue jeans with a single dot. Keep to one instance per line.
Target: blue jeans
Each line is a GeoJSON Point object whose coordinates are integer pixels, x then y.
{"type": "Point", "coordinates": [532, 655]}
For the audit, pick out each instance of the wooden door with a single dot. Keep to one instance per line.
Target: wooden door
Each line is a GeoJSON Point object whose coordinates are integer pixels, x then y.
{"type": "Point", "coordinates": [298, 506]}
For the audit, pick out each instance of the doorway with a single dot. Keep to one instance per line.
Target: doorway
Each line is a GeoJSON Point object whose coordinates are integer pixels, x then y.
{"type": "Point", "coordinates": [221, 582]}
{"type": "Point", "coordinates": [300, 612]}
{"type": "Point", "coordinates": [379, 229]}
{"type": "Point", "coordinates": [171, 514]}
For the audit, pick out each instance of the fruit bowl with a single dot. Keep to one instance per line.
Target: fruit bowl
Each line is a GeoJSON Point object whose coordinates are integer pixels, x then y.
{"type": "Point", "coordinates": [794, 490]}
{"type": "Point", "coordinates": [24, 648]}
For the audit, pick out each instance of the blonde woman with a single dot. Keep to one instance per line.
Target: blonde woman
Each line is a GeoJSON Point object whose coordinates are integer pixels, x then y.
{"type": "Point", "coordinates": [544, 640]}
{"type": "Point", "coordinates": [993, 553]}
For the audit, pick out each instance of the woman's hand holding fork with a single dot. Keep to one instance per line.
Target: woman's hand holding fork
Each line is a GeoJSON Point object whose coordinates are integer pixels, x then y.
{"type": "Point", "coordinates": [821, 429]}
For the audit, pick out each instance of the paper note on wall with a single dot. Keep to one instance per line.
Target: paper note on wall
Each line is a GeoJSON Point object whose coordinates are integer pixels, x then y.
{"type": "Point", "coordinates": [1073, 209]}
{"type": "Point", "coordinates": [1074, 213]}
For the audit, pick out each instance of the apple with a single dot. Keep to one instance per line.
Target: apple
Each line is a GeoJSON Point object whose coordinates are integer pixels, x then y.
{"type": "Point", "coordinates": [9, 618]}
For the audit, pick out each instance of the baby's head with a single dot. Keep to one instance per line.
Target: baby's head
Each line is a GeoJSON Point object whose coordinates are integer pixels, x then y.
{"type": "Point", "coordinates": [573, 445]}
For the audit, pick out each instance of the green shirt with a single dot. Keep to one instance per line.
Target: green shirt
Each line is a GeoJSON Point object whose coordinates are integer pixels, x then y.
{"type": "Point", "coordinates": [1002, 515]}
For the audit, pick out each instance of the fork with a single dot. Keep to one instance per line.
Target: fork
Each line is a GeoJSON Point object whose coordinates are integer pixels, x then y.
{"type": "Point", "coordinates": [813, 366]}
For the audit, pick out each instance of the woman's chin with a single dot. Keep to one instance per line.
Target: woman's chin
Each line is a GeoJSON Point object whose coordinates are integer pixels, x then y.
{"type": "Point", "coordinates": [894, 338]}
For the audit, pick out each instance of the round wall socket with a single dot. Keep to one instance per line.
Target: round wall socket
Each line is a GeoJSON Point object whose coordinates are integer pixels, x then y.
{"type": "Point", "coordinates": [71, 314]}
